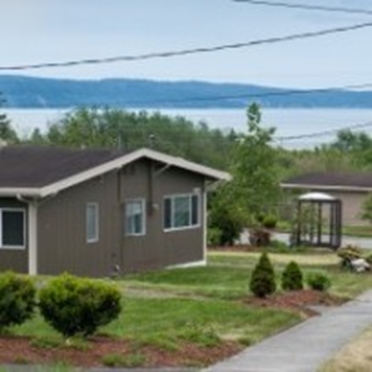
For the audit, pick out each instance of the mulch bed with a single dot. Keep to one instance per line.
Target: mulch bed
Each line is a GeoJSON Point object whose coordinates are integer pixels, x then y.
{"type": "Point", "coordinates": [296, 301]}
{"type": "Point", "coordinates": [19, 350]}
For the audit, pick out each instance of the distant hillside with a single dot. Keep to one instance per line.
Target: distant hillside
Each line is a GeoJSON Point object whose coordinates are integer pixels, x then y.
{"type": "Point", "coordinates": [27, 92]}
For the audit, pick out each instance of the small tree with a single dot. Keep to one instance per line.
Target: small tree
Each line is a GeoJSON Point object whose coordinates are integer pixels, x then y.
{"type": "Point", "coordinates": [262, 281]}
{"type": "Point", "coordinates": [7, 133]}
{"type": "Point", "coordinates": [292, 278]}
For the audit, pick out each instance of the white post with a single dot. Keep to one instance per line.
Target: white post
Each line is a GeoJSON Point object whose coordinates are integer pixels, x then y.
{"type": "Point", "coordinates": [32, 238]}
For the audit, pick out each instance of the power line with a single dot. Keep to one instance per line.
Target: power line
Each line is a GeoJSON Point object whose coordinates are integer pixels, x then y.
{"type": "Point", "coordinates": [184, 52]}
{"type": "Point", "coordinates": [306, 7]}
{"type": "Point", "coordinates": [324, 133]}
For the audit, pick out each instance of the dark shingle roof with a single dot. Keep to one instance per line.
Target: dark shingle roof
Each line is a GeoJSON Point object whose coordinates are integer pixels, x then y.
{"type": "Point", "coordinates": [332, 179]}
{"type": "Point", "coordinates": [31, 166]}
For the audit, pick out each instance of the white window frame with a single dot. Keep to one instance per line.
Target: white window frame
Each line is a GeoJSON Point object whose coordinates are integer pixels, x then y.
{"type": "Point", "coordinates": [142, 201]}
{"type": "Point", "coordinates": [96, 237]}
{"type": "Point", "coordinates": [190, 226]}
{"type": "Point", "coordinates": [15, 247]}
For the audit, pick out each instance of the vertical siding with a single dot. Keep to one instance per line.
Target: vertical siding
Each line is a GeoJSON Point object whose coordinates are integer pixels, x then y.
{"type": "Point", "coordinates": [352, 203]}
{"type": "Point", "coordinates": [14, 259]}
{"type": "Point", "coordinates": [62, 242]}
{"type": "Point", "coordinates": [157, 248]}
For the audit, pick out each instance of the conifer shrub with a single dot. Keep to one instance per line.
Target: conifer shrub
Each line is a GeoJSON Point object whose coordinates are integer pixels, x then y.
{"type": "Point", "coordinates": [262, 282]}
{"type": "Point", "coordinates": [292, 278]}
{"type": "Point", "coordinates": [79, 306]}
{"type": "Point", "coordinates": [17, 299]}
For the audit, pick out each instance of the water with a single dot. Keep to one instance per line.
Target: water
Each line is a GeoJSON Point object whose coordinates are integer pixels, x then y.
{"type": "Point", "coordinates": [289, 122]}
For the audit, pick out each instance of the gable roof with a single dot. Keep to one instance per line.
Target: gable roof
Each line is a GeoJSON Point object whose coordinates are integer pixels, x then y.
{"type": "Point", "coordinates": [40, 170]}
{"type": "Point", "coordinates": [331, 181]}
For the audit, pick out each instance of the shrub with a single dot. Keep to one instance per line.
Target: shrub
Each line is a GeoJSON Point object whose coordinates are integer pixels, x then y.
{"type": "Point", "coordinates": [79, 306]}
{"type": "Point", "coordinates": [369, 259]}
{"type": "Point", "coordinates": [262, 281]}
{"type": "Point", "coordinates": [17, 299]}
{"type": "Point", "coordinates": [292, 279]}
{"type": "Point", "coordinates": [214, 236]}
{"type": "Point", "coordinates": [348, 254]}
{"type": "Point", "coordinates": [318, 282]}
{"type": "Point", "coordinates": [270, 221]}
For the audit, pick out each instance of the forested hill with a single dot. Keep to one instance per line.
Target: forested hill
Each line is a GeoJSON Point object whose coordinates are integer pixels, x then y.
{"type": "Point", "coordinates": [29, 92]}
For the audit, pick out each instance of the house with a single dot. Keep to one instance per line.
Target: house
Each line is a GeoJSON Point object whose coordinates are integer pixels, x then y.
{"type": "Point", "coordinates": [96, 212]}
{"type": "Point", "coordinates": [351, 188]}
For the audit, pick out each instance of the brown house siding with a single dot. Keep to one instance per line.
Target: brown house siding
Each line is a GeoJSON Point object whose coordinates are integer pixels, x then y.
{"type": "Point", "coordinates": [158, 248]}
{"type": "Point", "coordinates": [62, 244]}
{"type": "Point", "coordinates": [14, 259]}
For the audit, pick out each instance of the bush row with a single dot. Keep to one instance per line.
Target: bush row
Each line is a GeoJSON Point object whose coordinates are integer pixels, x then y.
{"type": "Point", "coordinates": [69, 304]}
{"type": "Point", "coordinates": [262, 281]}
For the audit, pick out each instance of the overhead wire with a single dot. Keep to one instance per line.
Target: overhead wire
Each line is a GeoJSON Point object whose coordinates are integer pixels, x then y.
{"type": "Point", "coordinates": [291, 5]}
{"type": "Point", "coordinates": [184, 52]}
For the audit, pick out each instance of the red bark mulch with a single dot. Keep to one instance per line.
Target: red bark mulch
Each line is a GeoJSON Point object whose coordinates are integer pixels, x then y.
{"type": "Point", "coordinates": [19, 350]}
{"type": "Point", "coordinates": [296, 301]}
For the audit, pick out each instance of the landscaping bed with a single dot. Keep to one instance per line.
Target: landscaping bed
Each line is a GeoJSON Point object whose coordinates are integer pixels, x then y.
{"type": "Point", "coordinates": [110, 352]}
{"type": "Point", "coordinates": [300, 301]}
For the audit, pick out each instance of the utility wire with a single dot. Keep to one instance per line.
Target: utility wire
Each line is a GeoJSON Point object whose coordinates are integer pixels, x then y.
{"type": "Point", "coordinates": [324, 133]}
{"type": "Point", "coordinates": [218, 48]}
{"type": "Point", "coordinates": [306, 7]}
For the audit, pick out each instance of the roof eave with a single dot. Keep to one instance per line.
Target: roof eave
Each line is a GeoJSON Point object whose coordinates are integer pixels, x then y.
{"type": "Point", "coordinates": [325, 187]}
{"type": "Point", "coordinates": [20, 191]}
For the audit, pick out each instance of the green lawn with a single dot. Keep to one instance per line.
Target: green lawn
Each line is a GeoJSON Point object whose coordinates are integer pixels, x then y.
{"type": "Point", "coordinates": [204, 305]}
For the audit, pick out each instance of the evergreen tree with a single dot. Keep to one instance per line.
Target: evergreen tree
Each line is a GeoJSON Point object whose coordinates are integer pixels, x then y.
{"type": "Point", "coordinates": [262, 281]}
{"type": "Point", "coordinates": [292, 278]}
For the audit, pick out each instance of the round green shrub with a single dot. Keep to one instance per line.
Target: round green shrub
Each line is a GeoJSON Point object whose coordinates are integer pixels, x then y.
{"type": "Point", "coordinates": [17, 299]}
{"type": "Point", "coordinates": [292, 278]}
{"type": "Point", "coordinates": [318, 282]}
{"type": "Point", "coordinates": [270, 221]}
{"type": "Point", "coordinates": [262, 282]}
{"type": "Point", "coordinates": [79, 306]}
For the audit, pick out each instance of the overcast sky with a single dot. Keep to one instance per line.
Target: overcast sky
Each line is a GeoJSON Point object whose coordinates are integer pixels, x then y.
{"type": "Point", "coordinates": [34, 31]}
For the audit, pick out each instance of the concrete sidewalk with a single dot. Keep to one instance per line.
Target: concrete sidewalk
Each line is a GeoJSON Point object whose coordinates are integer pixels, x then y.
{"type": "Point", "coordinates": [306, 346]}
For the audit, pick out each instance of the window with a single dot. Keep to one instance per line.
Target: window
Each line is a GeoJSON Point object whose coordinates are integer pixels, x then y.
{"type": "Point", "coordinates": [135, 217]}
{"type": "Point", "coordinates": [12, 233]}
{"type": "Point", "coordinates": [92, 223]}
{"type": "Point", "coordinates": [181, 211]}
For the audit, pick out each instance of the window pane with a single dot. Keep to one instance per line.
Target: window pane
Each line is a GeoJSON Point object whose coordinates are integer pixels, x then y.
{"type": "Point", "coordinates": [134, 216]}
{"type": "Point", "coordinates": [167, 213]}
{"type": "Point", "coordinates": [13, 228]}
{"type": "Point", "coordinates": [195, 210]}
{"type": "Point", "coordinates": [181, 211]}
{"type": "Point", "coordinates": [92, 222]}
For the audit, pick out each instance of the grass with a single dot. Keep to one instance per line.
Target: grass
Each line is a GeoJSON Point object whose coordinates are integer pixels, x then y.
{"type": "Point", "coordinates": [356, 356]}
{"type": "Point", "coordinates": [202, 305]}
{"type": "Point", "coordinates": [155, 320]}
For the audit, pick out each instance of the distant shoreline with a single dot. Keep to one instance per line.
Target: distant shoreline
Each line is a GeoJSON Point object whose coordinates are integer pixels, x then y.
{"type": "Point", "coordinates": [22, 92]}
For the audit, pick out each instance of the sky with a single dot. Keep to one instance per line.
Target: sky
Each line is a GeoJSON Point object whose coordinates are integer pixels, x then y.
{"type": "Point", "coordinates": [34, 31]}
